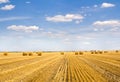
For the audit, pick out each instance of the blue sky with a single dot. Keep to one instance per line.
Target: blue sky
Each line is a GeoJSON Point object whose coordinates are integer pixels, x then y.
{"type": "Point", "coordinates": [54, 25]}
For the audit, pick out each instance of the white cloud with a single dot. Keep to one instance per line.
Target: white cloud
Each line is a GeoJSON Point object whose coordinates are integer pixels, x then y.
{"type": "Point", "coordinates": [111, 23]}
{"type": "Point", "coordinates": [8, 7]}
{"type": "Point", "coordinates": [65, 18]}
{"type": "Point", "coordinates": [107, 5]}
{"type": "Point", "coordinates": [23, 28]}
{"type": "Point", "coordinates": [58, 18]}
{"type": "Point", "coordinates": [13, 18]}
{"type": "Point", "coordinates": [4, 1]}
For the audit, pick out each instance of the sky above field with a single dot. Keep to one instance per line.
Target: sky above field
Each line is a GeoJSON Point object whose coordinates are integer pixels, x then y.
{"type": "Point", "coordinates": [51, 25]}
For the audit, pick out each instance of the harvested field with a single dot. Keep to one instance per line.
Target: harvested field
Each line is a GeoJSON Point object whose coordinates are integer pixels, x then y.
{"type": "Point", "coordinates": [60, 67]}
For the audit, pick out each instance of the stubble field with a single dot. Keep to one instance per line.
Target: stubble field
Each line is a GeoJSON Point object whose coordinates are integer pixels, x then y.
{"type": "Point", "coordinates": [83, 66]}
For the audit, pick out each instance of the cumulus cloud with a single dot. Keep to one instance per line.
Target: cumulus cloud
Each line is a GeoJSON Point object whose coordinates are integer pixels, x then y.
{"type": "Point", "coordinates": [23, 28]}
{"type": "Point", "coordinates": [4, 1]}
{"type": "Point", "coordinates": [8, 7]}
{"type": "Point", "coordinates": [65, 18]}
{"type": "Point", "coordinates": [110, 23]}
{"type": "Point", "coordinates": [107, 5]}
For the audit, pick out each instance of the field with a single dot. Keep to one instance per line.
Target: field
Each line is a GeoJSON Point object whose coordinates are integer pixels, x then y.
{"type": "Point", "coordinates": [84, 66]}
